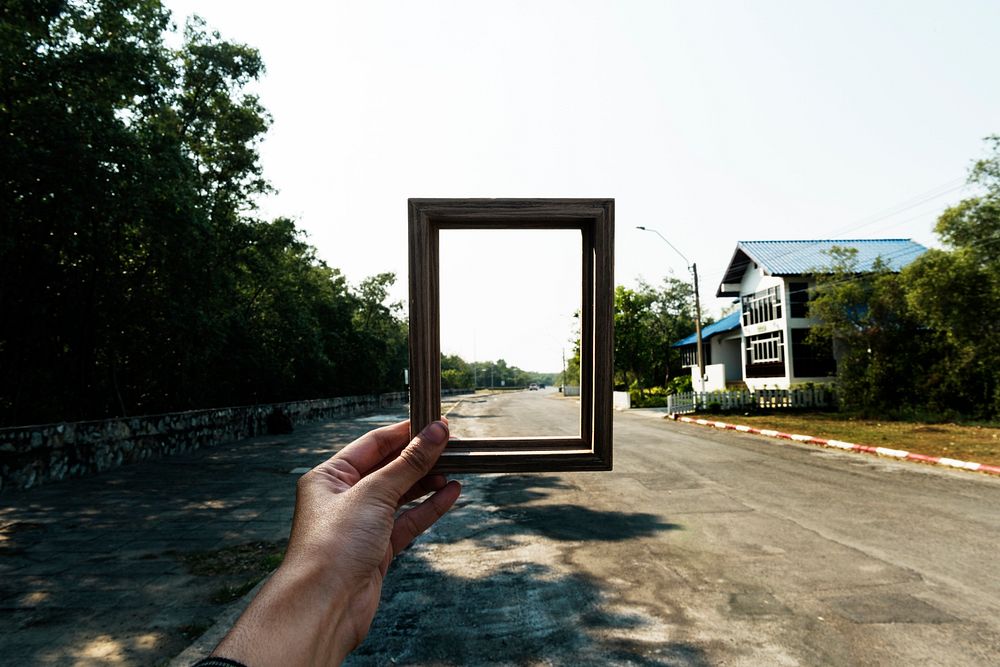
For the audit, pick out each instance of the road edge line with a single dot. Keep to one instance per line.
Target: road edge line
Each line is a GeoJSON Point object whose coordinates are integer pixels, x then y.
{"type": "Point", "coordinates": [886, 452]}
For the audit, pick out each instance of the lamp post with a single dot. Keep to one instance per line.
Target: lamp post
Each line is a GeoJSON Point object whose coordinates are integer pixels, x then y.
{"type": "Point", "coordinates": [693, 268]}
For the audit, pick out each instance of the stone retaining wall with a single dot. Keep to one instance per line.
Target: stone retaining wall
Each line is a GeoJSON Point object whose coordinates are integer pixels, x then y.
{"type": "Point", "coordinates": [33, 455]}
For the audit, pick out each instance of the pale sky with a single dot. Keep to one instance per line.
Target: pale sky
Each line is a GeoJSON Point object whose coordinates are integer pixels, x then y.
{"type": "Point", "coordinates": [510, 294]}
{"type": "Point", "coordinates": [711, 122]}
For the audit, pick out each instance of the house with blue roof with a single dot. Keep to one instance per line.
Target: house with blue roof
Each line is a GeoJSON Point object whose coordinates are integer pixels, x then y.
{"type": "Point", "coordinates": [763, 344]}
{"type": "Point", "coordinates": [721, 347]}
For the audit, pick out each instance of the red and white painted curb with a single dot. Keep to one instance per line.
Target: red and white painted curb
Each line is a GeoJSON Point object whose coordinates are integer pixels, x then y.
{"type": "Point", "coordinates": [848, 446]}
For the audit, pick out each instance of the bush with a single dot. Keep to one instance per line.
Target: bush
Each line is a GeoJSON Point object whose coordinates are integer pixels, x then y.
{"type": "Point", "coordinates": [653, 397]}
{"type": "Point", "coordinates": [680, 384]}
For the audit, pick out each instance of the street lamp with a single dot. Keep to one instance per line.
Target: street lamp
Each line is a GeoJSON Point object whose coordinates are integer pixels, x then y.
{"type": "Point", "coordinates": [693, 268]}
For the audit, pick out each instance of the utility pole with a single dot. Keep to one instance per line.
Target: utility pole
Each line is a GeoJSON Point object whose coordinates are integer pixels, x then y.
{"type": "Point", "coordinates": [693, 268]}
{"type": "Point", "coordinates": [562, 383]}
{"type": "Point", "coordinates": [697, 326]}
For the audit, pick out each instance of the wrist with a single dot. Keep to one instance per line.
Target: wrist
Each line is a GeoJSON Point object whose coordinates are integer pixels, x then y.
{"type": "Point", "coordinates": [297, 618]}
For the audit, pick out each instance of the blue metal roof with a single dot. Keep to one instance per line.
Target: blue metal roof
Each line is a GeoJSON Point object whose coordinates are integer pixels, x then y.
{"type": "Point", "coordinates": [790, 258]}
{"type": "Point", "coordinates": [794, 257]}
{"type": "Point", "coordinates": [727, 323]}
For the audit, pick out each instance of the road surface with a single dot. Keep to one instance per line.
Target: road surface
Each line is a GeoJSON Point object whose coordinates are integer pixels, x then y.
{"type": "Point", "coordinates": [702, 547]}
{"type": "Point", "coordinates": [512, 414]}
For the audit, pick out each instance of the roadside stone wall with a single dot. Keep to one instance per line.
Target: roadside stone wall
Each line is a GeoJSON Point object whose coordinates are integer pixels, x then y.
{"type": "Point", "coordinates": [33, 455]}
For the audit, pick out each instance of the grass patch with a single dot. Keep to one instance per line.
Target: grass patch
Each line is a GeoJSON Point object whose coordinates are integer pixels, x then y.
{"type": "Point", "coordinates": [228, 594]}
{"type": "Point", "coordinates": [238, 568]}
{"type": "Point", "coordinates": [192, 631]}
{"type": "Point", "coordinates": [973, 442]}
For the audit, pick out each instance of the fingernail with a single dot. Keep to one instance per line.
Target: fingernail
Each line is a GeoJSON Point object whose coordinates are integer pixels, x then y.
{"type": "Point", "coordinates": [436, 432]}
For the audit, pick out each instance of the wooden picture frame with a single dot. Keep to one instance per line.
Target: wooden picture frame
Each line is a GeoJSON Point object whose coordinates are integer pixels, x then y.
{"type": "Point", "coordinates": [592, 450]}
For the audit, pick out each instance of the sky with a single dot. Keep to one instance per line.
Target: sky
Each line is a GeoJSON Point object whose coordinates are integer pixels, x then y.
{"type": "Point", "coordinates": [709, 122]}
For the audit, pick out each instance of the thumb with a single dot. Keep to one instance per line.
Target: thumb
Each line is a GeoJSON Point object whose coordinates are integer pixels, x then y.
{"type": "Point", "coordinates": [415, 461]}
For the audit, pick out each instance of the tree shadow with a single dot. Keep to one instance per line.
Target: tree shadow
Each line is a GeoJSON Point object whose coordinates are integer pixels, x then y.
{"type": "Point", "coordinates": [523, 615]}
{"type": "Point", "coordinates": [506, 603]}
{"type": "Point", "coordinates": [461, 415]}
{"type": "Point", "coordinates": [513, 494]}
{"type": "Point", "coordinates": [98, 564]}
{"type": "Point", "coordinates": [574, 523]}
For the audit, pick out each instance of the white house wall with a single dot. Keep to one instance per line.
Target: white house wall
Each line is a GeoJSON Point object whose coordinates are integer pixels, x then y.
{"type": "Point", "coordinates": [726, 351]}
{"type": "Point", "coordinates": [755, 280]}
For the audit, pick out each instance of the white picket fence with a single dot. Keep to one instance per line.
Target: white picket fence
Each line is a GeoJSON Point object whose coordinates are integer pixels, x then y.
{"type": "Point", "coordinates": [693, 401]}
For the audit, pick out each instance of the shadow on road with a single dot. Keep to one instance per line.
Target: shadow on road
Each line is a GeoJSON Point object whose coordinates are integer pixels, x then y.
{"type": "Point", "coordinates": [454, 414]}
{"type": "Point", "coordinates": [500, 594]}
{"type": "Point", "coordinates": [566, 522]}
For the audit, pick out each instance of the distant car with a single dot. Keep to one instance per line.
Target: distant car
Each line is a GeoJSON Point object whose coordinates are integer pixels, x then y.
{"type": "Point", "coordinates": [533, 386]}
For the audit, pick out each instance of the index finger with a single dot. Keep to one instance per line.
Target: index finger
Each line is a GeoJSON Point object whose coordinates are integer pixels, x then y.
{"type": "Point", "coordinates": [415, 460]}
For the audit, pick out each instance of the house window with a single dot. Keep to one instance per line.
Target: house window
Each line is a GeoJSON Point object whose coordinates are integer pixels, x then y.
{"type": "Point", "coordinates": [811, 360]}
{"type": "Point", "coordinates": [798, 300]}
{"type": "Point", "coordinates": [765, 355]}
{"type": "Point", "coordinates": [689, 354]}
{"type": "Point", "coordinates": [766, 348]}
{"type": "Point", "coordinates": [762, 306]}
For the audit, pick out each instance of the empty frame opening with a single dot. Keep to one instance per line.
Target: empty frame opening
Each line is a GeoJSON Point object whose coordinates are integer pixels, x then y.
{"type": "Point", "coordinates": [510, 303]}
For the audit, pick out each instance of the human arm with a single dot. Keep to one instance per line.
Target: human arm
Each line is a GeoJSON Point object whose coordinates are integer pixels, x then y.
{"type": "Point", "coordinates": [319, 604]}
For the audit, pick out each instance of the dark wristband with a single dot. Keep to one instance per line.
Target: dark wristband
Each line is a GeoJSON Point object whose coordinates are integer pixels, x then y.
{"type": "Point", "coordinates": [217, 662]}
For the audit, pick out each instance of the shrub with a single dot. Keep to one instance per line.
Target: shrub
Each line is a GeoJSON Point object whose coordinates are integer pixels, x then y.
{"type": "Point", "coordinates": [653, 397]}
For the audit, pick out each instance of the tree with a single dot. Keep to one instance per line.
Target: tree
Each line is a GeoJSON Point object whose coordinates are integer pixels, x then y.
{"type": "Point", "coordinates": [456, 373]}
{"type": "Point", "coordinates": [647, 321]}
{"type": "Point", "coordinates": [922, 341]}
{"type": "Point", "coordinates": [380, 351]}
{"type": "Point", "coordinates": [135, 274]}
{"type": "Point", "coordinates": [79, 85]}
{"type": "Point", "coordinates": [881, 343]}
{"type": "Point", "coordinates": [956, 292]}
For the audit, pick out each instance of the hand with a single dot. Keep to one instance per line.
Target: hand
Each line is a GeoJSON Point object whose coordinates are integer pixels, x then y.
{"type": "Point", "coordinates": [319, 605]}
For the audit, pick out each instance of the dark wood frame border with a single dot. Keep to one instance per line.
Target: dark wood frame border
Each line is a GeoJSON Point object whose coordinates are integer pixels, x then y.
{"type": "Point", "coordinates": [595, 220]}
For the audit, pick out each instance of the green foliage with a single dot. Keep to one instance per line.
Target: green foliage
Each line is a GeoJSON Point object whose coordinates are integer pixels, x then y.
{"type": "Point", "coordinates": [134, 275]}
{"type": "Point", "coordinates": [570, 376]}
{"type": "Point", "coordinates": [456, 373]}
{"type": "Point", "coordinates": [957, 294]}
{"type": "Point", "coordinates": [647, 321]}
{"type": "Point", "coordinates": [923, 342]}
{"type": "Point", "coordinates": [651, 397]}
{"type": "Point", "coordinates": [882, 344]}
{"type": "Point", "coordinates": [679, 384]}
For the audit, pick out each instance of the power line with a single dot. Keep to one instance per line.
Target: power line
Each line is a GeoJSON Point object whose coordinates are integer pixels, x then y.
{"type": "Point", "coordinates": [923, 198]}
{"type": "Point", "coordinates": [913, 202]}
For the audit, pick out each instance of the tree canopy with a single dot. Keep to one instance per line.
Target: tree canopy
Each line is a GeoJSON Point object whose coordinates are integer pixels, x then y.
{"type": "Point", "coordinates": [457, 373]}
{"type": "Point", "coordinates": [923, 341]}
{"type": "Point", "coordinates": [135, 273]}
{"type": "Point", "coordinates": [648, 320]}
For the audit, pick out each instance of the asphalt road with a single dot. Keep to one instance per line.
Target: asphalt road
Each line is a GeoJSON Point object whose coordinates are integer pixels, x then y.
{"type": "Point", "coordinates": [702, 547]}
{"type": "Point", "coordinates": [512, 414]}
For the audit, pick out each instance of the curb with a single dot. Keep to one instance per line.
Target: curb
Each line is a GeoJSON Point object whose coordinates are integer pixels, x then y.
{"type": "Point", "coordinates": [847, 446]}
{"type": "Point", "coordinates": [206, 643]}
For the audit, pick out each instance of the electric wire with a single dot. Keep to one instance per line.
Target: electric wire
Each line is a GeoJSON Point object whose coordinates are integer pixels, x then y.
{"type": "Point", "coordinates": [913, 202]}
